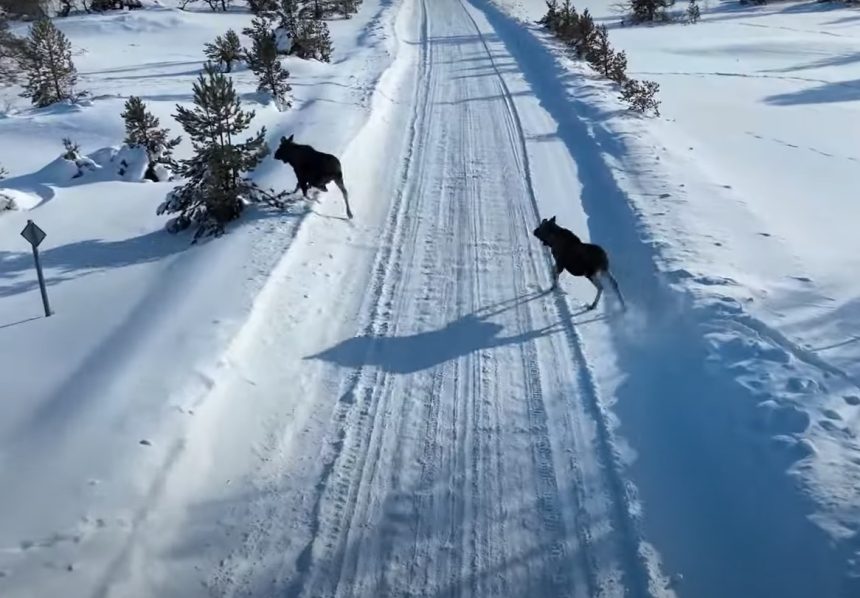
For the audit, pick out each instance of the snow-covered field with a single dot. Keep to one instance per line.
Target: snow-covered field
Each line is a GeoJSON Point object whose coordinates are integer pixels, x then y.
{"type": "Point", "coordinates": [392, 406]}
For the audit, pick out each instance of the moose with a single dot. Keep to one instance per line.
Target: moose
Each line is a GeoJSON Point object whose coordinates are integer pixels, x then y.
{"type": "Point", "coordinates": [578, 258]}
{"type": "Point", "coordinates": [313, 168]}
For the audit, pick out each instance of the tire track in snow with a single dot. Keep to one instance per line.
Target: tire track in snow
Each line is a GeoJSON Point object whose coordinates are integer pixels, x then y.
{"type": "Point", "coordinates": [357, 384]}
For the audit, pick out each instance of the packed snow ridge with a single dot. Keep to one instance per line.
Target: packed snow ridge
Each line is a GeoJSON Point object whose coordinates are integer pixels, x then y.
{"type": "Point", "coordinates": [303, 404]}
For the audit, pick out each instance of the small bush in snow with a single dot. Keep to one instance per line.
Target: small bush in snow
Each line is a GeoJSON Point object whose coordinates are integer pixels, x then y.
{"type": "Point", "coordinates": [216, 190]}
{"type": "Point", "coordinates": [641, 96]}
{"type": "Point", "coordinates": [263, 59]}
{"type": "Point", "coordinates": [3, 172]}
{"type": "Point", "coordinates": [73, 150]}
{"type": "Point", "coordinates": [7, 203]}
{"type": "Point", "coordinates": [693, 12]}
{"type": "Point", "coordinates": [142, 130]}
{"type": "Point", "coordinates": [72, 154]}
{"type": "Point", "coordinates": [47, 61]}
{"type": "Point", "coordinates": [225, 50]}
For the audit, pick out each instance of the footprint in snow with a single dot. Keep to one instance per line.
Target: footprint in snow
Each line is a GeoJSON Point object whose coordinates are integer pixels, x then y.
{"type": "Point", "coordinates": [802, 385]}
{"type": "Point", "coordinates": [852, 400]}
{"type": "Point", "coordinates": [831, 414]}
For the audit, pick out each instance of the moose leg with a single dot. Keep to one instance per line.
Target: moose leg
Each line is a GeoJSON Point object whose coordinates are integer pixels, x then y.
{"type": "Point", "coordinates": [614, 284]}
{"type": "Point", "coordinates": [596, 282]}
{"type": "Point", "coordinates": [298, 186]}
{"type": "Point", "coordinates": [558, 270]}
{"type": "Point", "coordinates": [338, 180]}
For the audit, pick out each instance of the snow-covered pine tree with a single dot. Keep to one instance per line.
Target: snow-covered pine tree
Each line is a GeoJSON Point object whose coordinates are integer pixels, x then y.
{"type": "Point", "coordinates": [3, 172]}
{"type": "Point", "coordinates": [216, 189]}
{"type": "Point", "coordinates": [142, 130]}
{"type": "Point", "coordinates": [263, 59]}
{"type": "Point", "coordinates": [225, 50]}
{"type": "Point", "coordinates": [47, 61]}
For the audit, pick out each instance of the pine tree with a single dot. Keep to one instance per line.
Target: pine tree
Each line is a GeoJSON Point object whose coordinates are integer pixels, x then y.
{"type": "Point", "coordinates": [3, 172]}
{"type": "Point", "coordinates": [225, 50]}
{"type": "Point", "coordinates": [693, 12]}
{"type": "Point", "coordinates": [215, 190]}
{"type": "Point", "coordinates": [142, 129]}
{"type": "Point", "coordinates": [263, 7]}
{"type": "Point", "coordinates": [312, 40]}
{"type": "Point", "coordinates": [47, 60]}
{"type": "Point", "coordinates": [346, 8]}
{"type": "Point", "coordinates": [288, 15]}
{"type": "Point", "coordinates": [11, 49]}
{"type": "Point", "coordinates": [646, 11]}
{"type": "Point", "coordinates": [604, 59]}
{"type": "Point", "coordinates": [263, 59]}
{"type": "Point", "coordinates": [260, 26]}
{"type": "Point", "coordinates": [550, 20]}
{"type": "Point", "coordinates": [586, 34]}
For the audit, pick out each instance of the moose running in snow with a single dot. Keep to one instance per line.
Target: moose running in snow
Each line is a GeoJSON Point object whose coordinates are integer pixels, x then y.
{"type": "Point", "coordinates": [578, 258]}
{"type": "Point", "coordinates": [313, 169]}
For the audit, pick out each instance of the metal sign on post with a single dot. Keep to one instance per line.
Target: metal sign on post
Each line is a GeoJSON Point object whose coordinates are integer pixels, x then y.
{"type": "Point", "coordinates": [35, 236]}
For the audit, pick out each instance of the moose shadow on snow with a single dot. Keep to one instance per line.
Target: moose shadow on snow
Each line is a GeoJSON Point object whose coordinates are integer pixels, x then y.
{"type": "Point", "coordinates": [413, 353]}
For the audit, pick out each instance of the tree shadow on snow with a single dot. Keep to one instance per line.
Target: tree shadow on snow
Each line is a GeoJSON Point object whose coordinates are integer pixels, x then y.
{"type": "Point", "coordinates": [829, 93]}
{"type": "Point", "coordinates": [96, 254]}
{"type": "Point", "coordinates": [416, 352]}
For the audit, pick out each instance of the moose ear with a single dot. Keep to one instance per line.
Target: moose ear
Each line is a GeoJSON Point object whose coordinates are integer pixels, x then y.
{"type": "Point", "coordinates": [291, 138]}
{"type": "Point", "coordinates": [552, 219]}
